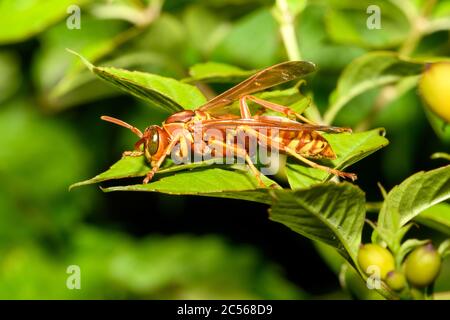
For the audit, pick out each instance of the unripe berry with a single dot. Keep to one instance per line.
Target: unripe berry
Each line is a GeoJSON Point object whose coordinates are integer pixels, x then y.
{"type": "Point", "coordinates": [434, 88]}
{"type": "Point", "coordinates": [371, 255]}
{"type": "Point", "coordinates": [422, 266]}
{"type": "Point", "coordinates": [396, 280]}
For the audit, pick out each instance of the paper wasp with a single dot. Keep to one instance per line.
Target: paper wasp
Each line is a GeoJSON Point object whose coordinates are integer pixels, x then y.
{"type": "Point", "coordinates": [301, 140]}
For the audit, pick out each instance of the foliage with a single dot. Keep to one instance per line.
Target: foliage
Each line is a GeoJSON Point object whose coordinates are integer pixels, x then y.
{"type": "Point", "coordinates": [143, 60]}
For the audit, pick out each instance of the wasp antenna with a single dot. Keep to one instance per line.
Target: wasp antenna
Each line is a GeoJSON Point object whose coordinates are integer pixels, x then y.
{"type": "Point", "coordinates": [123, 124]}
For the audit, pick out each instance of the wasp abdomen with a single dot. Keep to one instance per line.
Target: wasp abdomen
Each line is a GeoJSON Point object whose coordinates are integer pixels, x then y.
{"type": "Point", "coordinates": [307, 143]}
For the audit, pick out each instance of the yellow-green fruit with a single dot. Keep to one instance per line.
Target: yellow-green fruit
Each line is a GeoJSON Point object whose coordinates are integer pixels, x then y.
{"type": "Point", "coordinates": [422, 266]}
{"type": "Point", "coordinates": [396, 280]}
{"type": "Point", "coordinates": [434, 88]}
{"type": "Point", "coordinates": [372, 255]}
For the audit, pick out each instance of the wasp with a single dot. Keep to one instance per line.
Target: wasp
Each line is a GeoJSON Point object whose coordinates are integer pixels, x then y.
{"type": "Point", "coordinates": [291, 134]}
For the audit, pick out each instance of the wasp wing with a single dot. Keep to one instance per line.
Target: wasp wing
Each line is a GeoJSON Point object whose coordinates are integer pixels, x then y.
{"type": "Point", "coordinates": [264, 79]}
{"type": "Point", "coordinates": [258, 124]}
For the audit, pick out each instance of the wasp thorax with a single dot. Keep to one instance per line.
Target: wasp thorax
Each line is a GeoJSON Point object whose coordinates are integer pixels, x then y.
{"type": "Point", "coordinates": [182, 116]}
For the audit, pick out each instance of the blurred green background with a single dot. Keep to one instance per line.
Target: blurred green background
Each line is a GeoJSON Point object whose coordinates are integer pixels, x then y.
{"type": "Point", "coordinates": [166, 247]}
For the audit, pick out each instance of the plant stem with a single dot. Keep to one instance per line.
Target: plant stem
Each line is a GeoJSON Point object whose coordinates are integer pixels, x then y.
{"type": "Point", "coordinates": [428, 7]}
{"type": "Point", "coordinates": [287, 29]}
{"type": "Point", "coordinates": [286, 21]}
{"type": "Point", "coordinates": [373, 206]}
{"type": "Point", "coordinates": [419, 26]}
{"type": "Point", "coordinates": [411, 42]}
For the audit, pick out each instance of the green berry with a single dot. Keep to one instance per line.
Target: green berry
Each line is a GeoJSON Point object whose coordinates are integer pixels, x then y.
{"type": "Point", "coordinates": [396, 280]}
{"type": "Point", "coordinates": [422, 266]}
{"type": "Point", "coordinates": [434, 87]}
{"type": "Point", "coordinates": [371, 255]}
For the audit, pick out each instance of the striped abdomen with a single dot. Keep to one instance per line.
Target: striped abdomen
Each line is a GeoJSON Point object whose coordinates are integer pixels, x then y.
{"type": "Point", "coordinates": [306, 143]}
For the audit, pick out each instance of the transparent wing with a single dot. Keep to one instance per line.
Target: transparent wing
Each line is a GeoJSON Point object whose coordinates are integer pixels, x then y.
{"type": "Point", "coordinates": [264, 79]}
{"type": "Point", "coordinates": [285, 125]}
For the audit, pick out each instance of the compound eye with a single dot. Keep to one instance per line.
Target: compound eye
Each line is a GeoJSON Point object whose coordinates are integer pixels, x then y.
{"type": "Point", "coordinates": [154, 142]}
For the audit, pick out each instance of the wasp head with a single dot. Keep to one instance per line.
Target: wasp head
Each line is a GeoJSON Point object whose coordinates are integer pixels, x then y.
{"type": "Point", "coordinates": [154, 139]}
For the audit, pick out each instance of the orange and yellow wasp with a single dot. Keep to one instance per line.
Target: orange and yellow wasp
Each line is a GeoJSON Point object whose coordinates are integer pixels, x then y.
{"type": "Point", "coordinates": [291, 134]}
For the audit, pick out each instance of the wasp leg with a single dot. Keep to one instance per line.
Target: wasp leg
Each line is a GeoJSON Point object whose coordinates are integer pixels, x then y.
{"type": "Point", "coordinates": [132, 153]}
{"type": "Point", "coordinates": [244, 109]}
{"type": "Point", "coordinates": [137, 148]}
{"type": "Point", "coordinates": [243, 153]}
{"type": "Point", "coordinates": [278, 108]}
{"type": "Point", "coordinates": [255, 170]}
{"type": "Point", "coordinates": [167, 151]}
{"type": "Point", "coordinates": [341, 174]}
{"type": "Point", "coordinates": [270, 142]}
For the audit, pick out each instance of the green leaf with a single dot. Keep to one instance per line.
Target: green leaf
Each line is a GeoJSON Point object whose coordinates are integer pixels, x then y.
{"type": "Point", "coordinates": [436, 217]}
{"type": "Point", "coordinates": [196, 19]}
{"type": "Point", "coordinates": [62, 79]}
{"type": "Point", "coordinates": [407, 200]}
{"type": "Point", "coordinates": [330, 213]}
{"type": "Point", "coordinates": [204, 179]}
{"type": "Point", "coordinates": [441, 9]}
{"type": "Point", "coordinates": [214, 182]}
{"type": "Point", "coordinates": [252, 42]}
{"type": "Point", "coordinates": [349, 148]}
{"type": "Point", "coordinates": [166, 93]}
{"type": "Point", "coordinates": [315, 44]}
{"type": "Point", "coordinates": [346, 23]}
{"type": "Point", "coordinates": [444, 249]}
{"type": "Point", "coordinates": [215, 72]}
{"type": "Point", "coordinates": [126, 167]}
{"type": "Point", "coordinates": [129, 167]}
{"type": "Point", "coordinates": [25, 18]}
{"type": "Point", "coordinates": [372, 70]}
